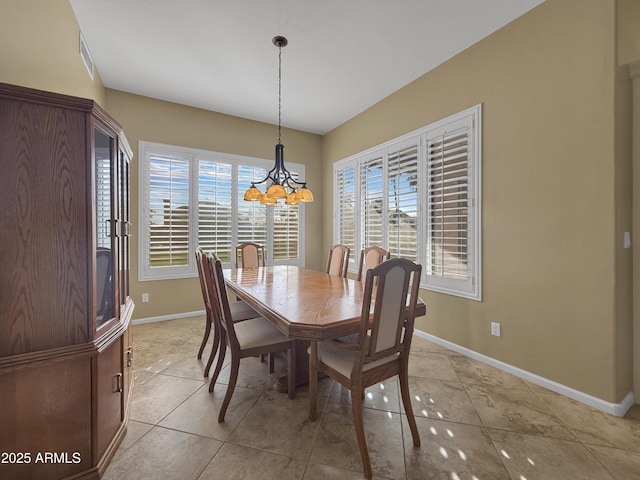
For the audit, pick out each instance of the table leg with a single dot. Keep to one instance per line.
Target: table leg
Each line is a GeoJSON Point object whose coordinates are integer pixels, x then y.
{"type": "Point", "coordinates": [302, 367]}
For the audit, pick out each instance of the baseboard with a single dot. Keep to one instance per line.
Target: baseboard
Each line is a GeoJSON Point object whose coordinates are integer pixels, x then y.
{"type": "Point", "coordinates": [162, 318]}
{"type": "Point", "coordinates": [617, 409]}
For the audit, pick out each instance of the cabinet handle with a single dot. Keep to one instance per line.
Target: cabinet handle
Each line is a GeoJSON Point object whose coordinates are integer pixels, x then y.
{"type": "Point", "coordinates": [117, 227]}
{"type": "Point", "coordinates": [119, 387]}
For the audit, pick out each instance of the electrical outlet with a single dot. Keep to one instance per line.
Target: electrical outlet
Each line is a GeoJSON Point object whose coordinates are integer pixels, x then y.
{"type": "Point", "coordinates": [145, 297]}
{"type": "Point", "coordinates": [495, 329]}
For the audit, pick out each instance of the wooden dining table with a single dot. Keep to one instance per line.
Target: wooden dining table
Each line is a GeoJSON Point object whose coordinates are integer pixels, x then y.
{"type": "Point", "coordinates": [304, 304]}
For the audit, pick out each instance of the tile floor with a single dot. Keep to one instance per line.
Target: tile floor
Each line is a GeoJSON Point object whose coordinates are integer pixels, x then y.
{"type": "Point", "coordinates": [475, 422]}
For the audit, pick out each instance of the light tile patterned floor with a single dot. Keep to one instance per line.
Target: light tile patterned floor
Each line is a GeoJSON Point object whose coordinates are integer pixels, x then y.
{"type": "Point", "coordinates": [475, 423]}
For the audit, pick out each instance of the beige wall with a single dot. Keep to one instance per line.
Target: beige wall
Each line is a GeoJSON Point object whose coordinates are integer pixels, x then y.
{"type": "Point", "coordinates": [39, 48]}
{"type": "Point", "coordinates": [635, 75]}
{"type": "Point", "coordinates": [628, 31]}
{"type": "Point", "coordinates": [628, 48]}
{"type": "Point", "coordinates": [629, 58]}
{"type": "Point", "coordinates": [152, 120]}
{"type": "Point", "coordinates": [554, 204]}
{"type": "Point", "coordinates": [547, 83]}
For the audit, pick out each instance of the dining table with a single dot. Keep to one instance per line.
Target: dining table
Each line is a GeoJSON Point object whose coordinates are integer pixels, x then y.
{"type": "Point", "coordinates": [304, 304]}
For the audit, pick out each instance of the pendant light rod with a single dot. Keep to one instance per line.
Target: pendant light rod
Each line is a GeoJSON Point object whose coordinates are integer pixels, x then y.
{"type": "Point", "coordinates": [280, 42]}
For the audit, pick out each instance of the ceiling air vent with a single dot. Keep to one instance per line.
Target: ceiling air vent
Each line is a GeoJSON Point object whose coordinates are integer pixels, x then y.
{"type": "Point", "coordinates": [86, 56]}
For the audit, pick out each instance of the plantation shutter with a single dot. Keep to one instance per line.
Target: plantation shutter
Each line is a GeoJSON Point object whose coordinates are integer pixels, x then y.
{"type": "Point", "coordinates": [419, 196]}
{"type": "Point", "coordinates": [215, 215]}
{"type": "Point", "coordinates": [346, 203]}
{"type": "Point", "coordinates": [252, 216]}
{"type": "Point", "coordinates": [372, 200]}
{"type": "Point", "coordinates": [286, 229]}
{"type": "Point", "coordinates": [195, 198]}
{"type": "Point", "coordinates": [402, 211]}
{"type": "Point", "coordinates": [448, 204]}
{"type": "Point", "coordinates": [103, 199]}
{"type": "Point", "coordinates": [168, 184]}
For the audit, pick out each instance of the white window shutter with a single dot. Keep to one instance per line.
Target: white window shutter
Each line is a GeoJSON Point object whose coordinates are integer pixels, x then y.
{"type": "Point", "coordinates": [195, 198]}
{"type": "Point", "coordinates": [419, 196]}
{"type": "Point", "coordinates": [252, 216]}
{"type": "Point", "coordinates": [452, 263]}
{"type": "Point", "coordinates": [215, 211]}
{"type": "Point", "coordinates": [168, 215]}
{"type": "Point", "coordinates": [286, 231]}
{"type": "Point", "coordinates": [103, 200]}
{"type": "Point", "coordinates": [372, 200]}
{"type": "Point", "coordinates": [402, 213]}
{"type": "Point", "coordinates": [345, 187]}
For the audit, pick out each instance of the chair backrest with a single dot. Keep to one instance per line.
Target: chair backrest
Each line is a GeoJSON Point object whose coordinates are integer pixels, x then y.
{"type": "Point", "coordinates": [250, 255]}
{"type": "Point", "coordinates": [218, 294]}
{"type": "Point", "coordinates": [338, 261]}
{"type": "Point", "coordinates": [200, 254]}
{"type": "Point", "coordinates": [104, 283]}
{"type": "Point", "coordinates": [393, 288]}
{"type": "Point", "coordinates": [369, 258]}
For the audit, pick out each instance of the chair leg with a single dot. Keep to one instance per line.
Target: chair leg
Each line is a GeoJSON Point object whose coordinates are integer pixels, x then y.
{"type": "Point", "coordinates": [291, 370]}
{"type": "Point", "coordinates": [221, 354]}
{"type": "Point", "coordinates": [207, 331]}
{"type": "Point", "coordinates": [233, 378]}
{"type": "Point", "coordinates": [272, 362]}
{"type": "Point", "coordinates": [214, 350]}
{"type": "Point", "coordinates": [313, 381]}
{"type": "Point", "coordinates": [356, 402]}
{"type": "Point", "coordinates": [406, 401]}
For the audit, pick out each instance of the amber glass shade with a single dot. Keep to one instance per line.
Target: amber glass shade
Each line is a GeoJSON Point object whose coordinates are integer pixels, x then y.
{"type": "Point", "coordinates": [252, 194]}
{"type": "Point", "coordinates": [277, 191]}
{"type": "Point", "coordinates": [291, 199]}
{"type": "Point", "coordinates": [304, 195]}
{"type": "Point", "coordinates": [267, 200]}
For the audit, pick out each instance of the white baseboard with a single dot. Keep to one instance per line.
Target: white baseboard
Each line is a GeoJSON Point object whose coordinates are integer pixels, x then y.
{"type": "Point", "coordinates": [162, 318]}
{"type": "Point", "coordinates": [617, 409]}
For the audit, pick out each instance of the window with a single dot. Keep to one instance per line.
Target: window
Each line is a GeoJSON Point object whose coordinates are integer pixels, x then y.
{"type": "Point", "coordinates": [192, 198]}
{"type": "Point", "coordinates": [418, 196]}
{"type": "Point", "coordinates": [345, 206]}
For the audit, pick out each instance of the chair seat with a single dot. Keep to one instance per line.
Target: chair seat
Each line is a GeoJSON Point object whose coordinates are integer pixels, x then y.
{"type": "Point", "coordinates": [241, 311]}
{"type": "Point", "coordinates": [257, 332]}
{"type": "Point", "coordinates": [341, 360]}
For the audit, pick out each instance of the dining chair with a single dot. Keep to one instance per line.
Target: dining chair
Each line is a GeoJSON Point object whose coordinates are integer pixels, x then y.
{"type": "Point", "coordinates": [248, 338]}
{"type": "Point", "coordinates": [338, 261]}
{"type": "Point", "coordinates": [250, 255]}
{"type": "Point", "coordinates": [239, 311]}
{"type": "Point", "coordinates": [104, 283]}
{"type": "Point", "coordinates": [369, 258]}
{"type": "Point", "coordinates": [207, 305]}
{"type": "Point", "coordinates": [379, 350]}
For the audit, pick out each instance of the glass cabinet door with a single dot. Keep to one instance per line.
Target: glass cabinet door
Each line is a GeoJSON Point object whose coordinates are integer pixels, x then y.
{"type": "Point", "coordinates": [124, 231]}
{"type": "Point", "coordinates": [104, 225]}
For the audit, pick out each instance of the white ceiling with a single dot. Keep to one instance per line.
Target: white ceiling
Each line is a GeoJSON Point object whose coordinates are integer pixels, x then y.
{"type": "Point", "coordinates": [343, 55]}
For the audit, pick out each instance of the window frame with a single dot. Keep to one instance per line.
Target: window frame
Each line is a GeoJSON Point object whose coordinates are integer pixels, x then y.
{"type": "Point", "coordinates": [194, 156]}
{"type": "Point", "coordinates": [470, 118]}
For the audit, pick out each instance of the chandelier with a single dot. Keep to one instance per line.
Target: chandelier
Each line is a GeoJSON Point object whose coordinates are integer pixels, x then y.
{"type": "Point", "coordinates": [281, 185]}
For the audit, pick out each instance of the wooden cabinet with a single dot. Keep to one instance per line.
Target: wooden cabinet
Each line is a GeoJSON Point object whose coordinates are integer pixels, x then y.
{"type": "Point", "coordinates": [65, 309]}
